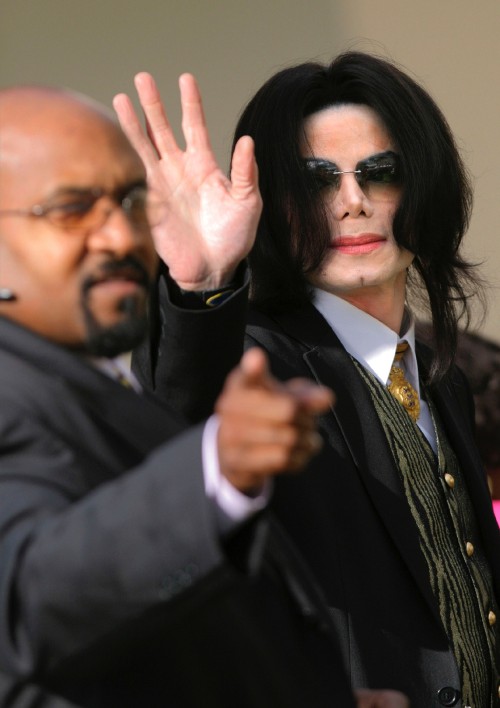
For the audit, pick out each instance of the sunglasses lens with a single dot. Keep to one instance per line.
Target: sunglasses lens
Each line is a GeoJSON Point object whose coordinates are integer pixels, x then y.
{"type": "Point", "coordinates": [324, 173]}
{"type": "Point", "coordinates": [383, 170]}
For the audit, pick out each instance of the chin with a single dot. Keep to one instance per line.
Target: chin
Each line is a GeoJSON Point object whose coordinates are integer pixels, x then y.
{"type": "Point", "coordinates": [127, 331]}
{"type": "Point", "coordinates": [117, 339]}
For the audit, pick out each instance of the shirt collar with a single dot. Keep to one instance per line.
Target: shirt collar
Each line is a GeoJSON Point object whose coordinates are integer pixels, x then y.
{"type": "Point", "coordinates": [117, 368]}
{"type": "Point", "coordinates": [367, 339]}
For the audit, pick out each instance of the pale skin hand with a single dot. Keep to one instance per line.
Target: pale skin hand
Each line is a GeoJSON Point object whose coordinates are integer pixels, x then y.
{"type": "Point", "coordinates": [266, 427]}
{"type": "Point", "coordinates": [366, 698]}
{"type": "Point", "coordinates": [211, 221]}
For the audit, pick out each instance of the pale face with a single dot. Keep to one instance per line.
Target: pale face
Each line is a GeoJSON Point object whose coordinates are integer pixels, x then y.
{"type": "Point", "coordinates": [364, 265]}
{"type": "Point", "coordinates": [73, 288]}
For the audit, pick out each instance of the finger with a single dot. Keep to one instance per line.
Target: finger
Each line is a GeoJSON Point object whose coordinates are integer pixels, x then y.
{"type": "Point", "coordinates": [248, 467]}
{"type": "Point", "coordinates": [132, 128]}
{"type": "Point", "coordinates": [313, 398]}
{"type": "Point", "coordinates": [252, 372]}
{"type": "Point", "coordinates": [251, 389]}
{"type": "Point", "coordinates": [250, 400]}
{"type": "Point", "coordinates": [244, 172]}
{"type": "Point", "coordinates": [194, 125]}
{"type": "Point", "coordinates": [245, 430]}
{"type": "Point", "coordinates": [272, 458]}
{"type": "Point", "coordinates": [254, 364]}
{"type": "Point", "coordinates": [158, 126]}
{"type": "Point", "coordinates": [269, 406]}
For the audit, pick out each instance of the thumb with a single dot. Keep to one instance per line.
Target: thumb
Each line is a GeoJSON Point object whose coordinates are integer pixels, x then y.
{"type": "Point", "coordinates": [244, 172]}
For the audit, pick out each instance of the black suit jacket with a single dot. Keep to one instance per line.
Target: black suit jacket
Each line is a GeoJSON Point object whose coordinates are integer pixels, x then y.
{"type": "Point", "coordinates": [348, 514]}
{"type": "Point", "coordinates": [115, 589]}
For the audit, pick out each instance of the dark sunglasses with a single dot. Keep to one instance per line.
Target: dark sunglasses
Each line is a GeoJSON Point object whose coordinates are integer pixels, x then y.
{"type": "Point", "coordinates": [377, 171]}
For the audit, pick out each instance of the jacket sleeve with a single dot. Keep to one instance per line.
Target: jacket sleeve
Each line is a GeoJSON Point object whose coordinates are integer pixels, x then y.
{"type": "Point", "coordinates": [78, 567]}
{"type": "Point", "coordinates": [189, 352]}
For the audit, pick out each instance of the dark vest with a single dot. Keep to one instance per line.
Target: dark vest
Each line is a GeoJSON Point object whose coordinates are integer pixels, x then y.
{"type": "Point", "coordinates": [458, 572]}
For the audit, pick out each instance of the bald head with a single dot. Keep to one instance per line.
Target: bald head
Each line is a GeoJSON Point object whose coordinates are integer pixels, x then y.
{"type": "Point", "coordinates": [24, 100]}
{"type": "Point", "coordinates": [32, 114]}
{"type": "Point", "coordinates": [58, 149]}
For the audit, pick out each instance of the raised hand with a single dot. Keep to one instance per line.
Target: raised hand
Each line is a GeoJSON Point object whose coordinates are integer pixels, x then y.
{"type": "Point", "coordinates": [210, 221]}
{"type": "Point", "coordinates": [266, 427]}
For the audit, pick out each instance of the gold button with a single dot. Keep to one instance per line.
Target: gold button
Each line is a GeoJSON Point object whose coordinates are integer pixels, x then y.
{"type": "Point", "coordinates": [469, 548]}
{"type": "Point", "coordinates": [492, 618]}
{"type": "Point", "coordinates": [450, 480]}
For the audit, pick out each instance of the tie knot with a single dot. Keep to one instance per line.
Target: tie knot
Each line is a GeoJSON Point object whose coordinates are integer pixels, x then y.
{"type": "Point", "coordinates": [400, 350]}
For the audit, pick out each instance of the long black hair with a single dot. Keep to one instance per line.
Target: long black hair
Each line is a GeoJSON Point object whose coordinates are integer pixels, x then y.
{"type": "Point", "coordinates": [435, 206]}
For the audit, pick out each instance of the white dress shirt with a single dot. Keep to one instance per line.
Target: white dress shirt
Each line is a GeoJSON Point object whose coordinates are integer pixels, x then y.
{"type": "Point", "coordinates": [374, 344]}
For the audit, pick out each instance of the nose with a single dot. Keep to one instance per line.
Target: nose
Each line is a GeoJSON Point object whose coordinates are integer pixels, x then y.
{"type": "Point", "coordinates": [350, 199]}
{"type": "Point", "coordinates": [119, 234]}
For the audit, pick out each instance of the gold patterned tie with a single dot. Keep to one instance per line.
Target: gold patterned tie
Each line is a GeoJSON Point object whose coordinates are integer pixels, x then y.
{"type": "Point", "coordinates": [123, 381]}
{"type": "Point", "coordinates": [401, 388]}
{"type": "Point", "coordinates": [117, 374]}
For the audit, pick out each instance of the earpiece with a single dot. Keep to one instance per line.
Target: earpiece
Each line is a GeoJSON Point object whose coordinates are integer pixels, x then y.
{"type": "Point", "coordinates": [6, 295]}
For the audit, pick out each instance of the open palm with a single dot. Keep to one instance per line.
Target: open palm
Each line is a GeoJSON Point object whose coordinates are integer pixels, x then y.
{"type": "Point", "coordinates": [210, 221]}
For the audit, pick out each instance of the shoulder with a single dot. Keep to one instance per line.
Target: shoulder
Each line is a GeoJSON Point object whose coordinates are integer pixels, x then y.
{"type": "Point", "coordinates": [24, 388]}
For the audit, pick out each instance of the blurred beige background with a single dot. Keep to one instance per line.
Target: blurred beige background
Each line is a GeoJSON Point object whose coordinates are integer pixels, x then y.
{"type": "Point", "coordinates": [451, 46]}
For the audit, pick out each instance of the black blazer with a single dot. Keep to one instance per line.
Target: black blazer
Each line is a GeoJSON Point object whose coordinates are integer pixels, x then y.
{"type": "Point", "coordinates": [115, 589]}
{"type": "Point", "coordinates": [347, 513]}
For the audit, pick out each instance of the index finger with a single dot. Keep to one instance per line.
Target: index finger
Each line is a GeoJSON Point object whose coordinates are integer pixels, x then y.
{"type": "Point", "coordinates": [132, 128]}
{"type": "Point", "coordinates": [254, 366]}
{"type": "Point", "coordinates": [252, 372]}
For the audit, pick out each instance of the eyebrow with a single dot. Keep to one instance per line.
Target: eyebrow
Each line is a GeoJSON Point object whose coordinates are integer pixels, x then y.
{"type": "Point", "coordinates": [390, 154]}
{"type": "Point", "coordinates": [74, 191]}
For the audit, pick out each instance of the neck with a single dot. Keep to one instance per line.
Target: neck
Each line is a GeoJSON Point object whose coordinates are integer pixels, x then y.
{"type": "Point", "coordinates": [387, 307]}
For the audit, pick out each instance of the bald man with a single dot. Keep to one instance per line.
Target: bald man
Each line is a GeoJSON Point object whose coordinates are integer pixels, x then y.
{"type": "Point", "coordinates": [133, 571]}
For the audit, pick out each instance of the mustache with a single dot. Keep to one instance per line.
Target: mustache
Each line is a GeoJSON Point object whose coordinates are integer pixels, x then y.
{"type": "Point", "coordinates": [127, 268]}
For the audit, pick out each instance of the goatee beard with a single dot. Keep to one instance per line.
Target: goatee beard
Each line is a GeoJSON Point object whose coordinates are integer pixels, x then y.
{"type": "Point", "coordinates": [109, 341]}
{"type": "Point", "coordinates": [119, 338]}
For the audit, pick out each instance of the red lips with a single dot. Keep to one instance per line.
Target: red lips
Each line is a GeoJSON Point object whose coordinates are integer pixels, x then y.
{"type": "Point", "coordinates": [359, 244]}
